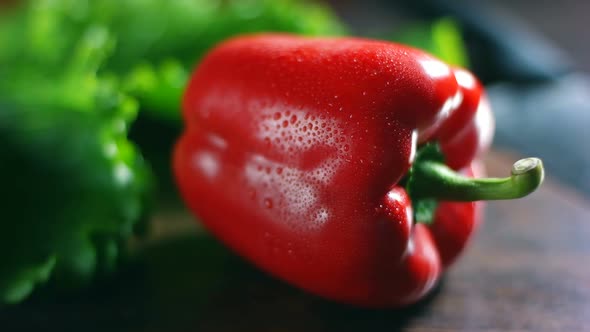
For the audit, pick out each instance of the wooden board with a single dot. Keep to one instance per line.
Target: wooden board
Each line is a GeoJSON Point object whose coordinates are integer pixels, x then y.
{"type": "Point", "coordinates": [526, 270]}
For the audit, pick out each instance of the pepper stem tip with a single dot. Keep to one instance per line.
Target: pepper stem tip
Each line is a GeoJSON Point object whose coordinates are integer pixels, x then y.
{"type": "Point", "coordinates": [435, 180]}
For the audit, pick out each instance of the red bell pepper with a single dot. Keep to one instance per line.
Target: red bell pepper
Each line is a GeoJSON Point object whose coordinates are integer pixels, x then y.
{"type": "Point", "coordinates": [319, 160]}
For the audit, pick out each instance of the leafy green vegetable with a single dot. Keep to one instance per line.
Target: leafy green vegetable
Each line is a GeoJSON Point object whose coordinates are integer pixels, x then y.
{"type": "Point", "coordinates": [74, 187]}
{"type": "Point", "coordinates": [157, 81]}
{"type": "Point", "coordinates": [75, 74]}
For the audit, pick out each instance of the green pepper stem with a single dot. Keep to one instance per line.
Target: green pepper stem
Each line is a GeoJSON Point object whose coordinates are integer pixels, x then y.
{"type": "Point", "coordinates": [432, 179]}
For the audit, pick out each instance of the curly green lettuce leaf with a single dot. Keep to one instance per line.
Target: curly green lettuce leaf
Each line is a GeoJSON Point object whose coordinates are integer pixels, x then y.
{"type": "Point", "coordinates": [154, 31]}
{"type": "Point", "coordinates": [74, 187]}
{"type": "Point", "coordinates": [180, 40]}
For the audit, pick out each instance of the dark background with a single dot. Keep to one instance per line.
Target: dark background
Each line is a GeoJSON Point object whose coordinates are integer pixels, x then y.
{"type": "Point", "coordinates": [561, 23]}
{"type": "Point", "coordinates": [564, 23]}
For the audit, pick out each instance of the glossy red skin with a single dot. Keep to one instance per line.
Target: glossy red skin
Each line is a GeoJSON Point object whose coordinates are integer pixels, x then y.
{"type": "Point", "coordinates": [291, 154]}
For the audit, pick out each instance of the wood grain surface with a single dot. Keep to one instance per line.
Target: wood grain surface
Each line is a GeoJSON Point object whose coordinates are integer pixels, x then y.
{"type": "Point", "coordinates": [526, 270]}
